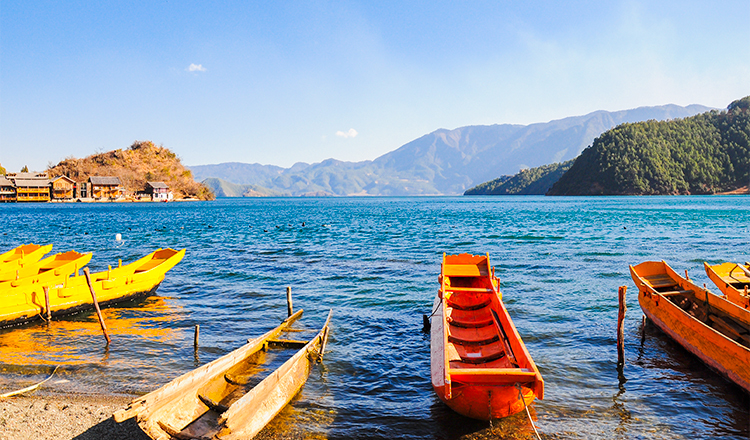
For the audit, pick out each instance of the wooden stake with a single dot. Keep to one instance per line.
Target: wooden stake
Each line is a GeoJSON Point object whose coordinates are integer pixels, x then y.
{"type": "Point", "coordinates": [289, 308]}
{"type": "Point", "coordinates": [197, 332]}
{"type": "Point", "coordinates": [620, 329]}
{"type": "Point", "coordinates": [46, 303]}
{"type": "Point", "coordinates": [96, 304]}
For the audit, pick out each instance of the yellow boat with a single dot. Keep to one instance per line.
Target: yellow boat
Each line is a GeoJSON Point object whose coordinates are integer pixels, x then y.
{"type": "Point", "coordinates": [47, 272]}
{"type": "Point", "coordinates": [707, 325]}
{"type": "Point", "coordinates": [26, 253]}
{"type": "Point", "coordinates": [218, 401]}
{"type": "Point", "coordinates": [71, 294]}
{"type": "Point", "coordinates": [733, 280]}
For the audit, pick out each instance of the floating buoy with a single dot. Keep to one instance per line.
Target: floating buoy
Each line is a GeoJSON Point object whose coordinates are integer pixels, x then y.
{"type": "Point", "coordinates": [118, 237]}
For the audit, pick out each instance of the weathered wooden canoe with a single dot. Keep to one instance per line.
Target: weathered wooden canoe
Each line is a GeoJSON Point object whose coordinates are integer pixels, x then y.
{"type": "Point", "coordinates": [217, 400]}
{"type": "Point", "coordinates": [46, 271]}
{"type": "Point", "coordinates": [26, 253]}
{"type": "Point", "coordinates": [733, 280]}
{"type": "Point", "coordinates": [707, 325]}
{"type": "Point", "coordinates": [71, 294]}
{"type": "Point", "coordinates": [479, 364]}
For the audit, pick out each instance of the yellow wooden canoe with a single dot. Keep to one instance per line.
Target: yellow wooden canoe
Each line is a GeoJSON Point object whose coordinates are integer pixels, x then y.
{"type": "Point", "coordinates": [26, 253]}
{"type": "Point", "coordinates": [733, 280]}
{"type": "Point", "coordinates": [47, 271]}
{"type": "Point", "coordinates": [71, 294]}
{"type": "Point", "coordinates": [707, 325]}
{"type": "Point", "coordinates": [479, 364]}
{"type": "Point", "coordinates": [217, 401]}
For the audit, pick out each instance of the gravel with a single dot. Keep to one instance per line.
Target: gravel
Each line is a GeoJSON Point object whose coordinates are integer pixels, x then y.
{"type": "Point", "coordinates": [43, 417]}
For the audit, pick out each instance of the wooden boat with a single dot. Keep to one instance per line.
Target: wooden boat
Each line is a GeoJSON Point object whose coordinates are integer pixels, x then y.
{"type": "Point", "coordinates": [479, 364]}
{"type": "Point", "coordinates": [218, 401]}
{"type": "Point", "coordinates": [71, 294]}
{"type": "Point", "coordinates": [733, 280]}
{"type": "Point", "coordinates": [707, 325]}
{"type": "Point", "coordinates": [46, 271]}
{"type": "Point", "coordinates": [26, 253]}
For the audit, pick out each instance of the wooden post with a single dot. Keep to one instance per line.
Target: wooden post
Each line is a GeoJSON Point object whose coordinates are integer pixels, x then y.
{"type": "Point", "coordinates": [96, 304]}
{"type": "Point", "coordinates": [197, 332]}
{"type": "Point", "coordinates": [46, 303]}
{"type": "Point", "coordinates": [620, 329]}
{"type": "Point", "coordinates": [289, 308]}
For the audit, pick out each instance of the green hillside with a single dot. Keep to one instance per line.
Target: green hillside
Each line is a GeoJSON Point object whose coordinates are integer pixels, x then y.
{"type": "Point", "coordinates": [532, 181]}
{"type": "Point", "coordinates": [702, 154]}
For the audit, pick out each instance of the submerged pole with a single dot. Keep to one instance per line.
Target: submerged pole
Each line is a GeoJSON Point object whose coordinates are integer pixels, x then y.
{"type": "Point", "coordinates": [620, 322]}
{"type": "Point", "coordinates": [96, 304]}
{"type": "Point", "coordinates": [46, 303]}
{"type": "Point", "coordinates": [289, 308]}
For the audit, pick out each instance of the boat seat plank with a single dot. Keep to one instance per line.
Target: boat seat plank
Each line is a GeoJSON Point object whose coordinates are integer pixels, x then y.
{"type": "Point", "coordinates": [676, 292]}
{"type": "Point", "coordinates": [464, 270]}
{"type": "Point", "coordinates": [493, 375]}
{"type": "Point", "coordinates": [473, 336]}
{"type": "Point", "coordinates": [469, 289]}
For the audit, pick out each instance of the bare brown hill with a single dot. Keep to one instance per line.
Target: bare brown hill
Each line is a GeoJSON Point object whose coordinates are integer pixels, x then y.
{"type": "Point", "coordinates": [141, 162]}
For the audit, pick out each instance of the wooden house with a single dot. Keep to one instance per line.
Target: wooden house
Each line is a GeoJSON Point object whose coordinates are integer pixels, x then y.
{"type": "Point", "coordinates": [31, 187]}
{"type": "Point", "coordinates": [158, 190]}
{"type": "Point", "coordinates": [7, 190]}
{"type": "Point", "coordinates": [63, 188]}
{"type": "Point", "coordinates": [105, 187]}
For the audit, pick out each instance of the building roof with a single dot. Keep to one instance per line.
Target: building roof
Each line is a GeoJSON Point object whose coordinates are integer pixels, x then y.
{"type": "Point", "coordinates": [156, 185]}
{"type": "Point", "coordinates": [104, 180]}
{"type": "Point", "coordinates": [5, 182]}
{"type": "Point", "coordinates": [63, 177]}
{"type": "Point", "coordinates": [32, 183]}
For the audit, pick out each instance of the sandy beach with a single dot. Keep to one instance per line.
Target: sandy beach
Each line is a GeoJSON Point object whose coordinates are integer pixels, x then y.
{"type": "Point", "coordinates": [49, 417]}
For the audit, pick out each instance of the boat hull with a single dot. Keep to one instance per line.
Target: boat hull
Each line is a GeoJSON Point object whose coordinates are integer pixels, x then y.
{"type": "Point", "coordinates": [72, 295]}
{"type": "Point", "coordinates": [731, 281]}
{"type": "Point", "coordinates": [203, 403]}
{"type": "Point", "coordinates": [724, 355]}
{"type": "Point", "coordinates": [480, 367]}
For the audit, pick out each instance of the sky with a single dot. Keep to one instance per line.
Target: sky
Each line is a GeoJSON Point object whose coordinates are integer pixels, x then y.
{"type": "Point", "coordinates": [303, 81]}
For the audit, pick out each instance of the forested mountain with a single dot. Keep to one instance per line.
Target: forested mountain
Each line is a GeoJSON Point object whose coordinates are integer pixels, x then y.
{"type": "Point", "coordinates": [444, 161]}
{"type": "Point", "coordinates": [703, 154]}
{"type": "Point", "coordinates": [532, 181]}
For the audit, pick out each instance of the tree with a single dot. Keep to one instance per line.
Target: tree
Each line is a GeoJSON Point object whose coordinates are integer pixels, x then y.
{"type": "Point", "coordinates": [2, 170]}
{"type": "Point", "coordinates": [25, 169]}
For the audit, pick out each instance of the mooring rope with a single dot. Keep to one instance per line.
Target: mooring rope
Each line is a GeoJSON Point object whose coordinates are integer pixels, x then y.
{"type": "Point", "coordinates": [437, 307]}
{"type": "Point", "coordinates": [520, 396]}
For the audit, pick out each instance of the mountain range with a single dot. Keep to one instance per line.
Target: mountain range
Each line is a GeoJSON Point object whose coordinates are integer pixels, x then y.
{"type": "Point", "coordinates": [444, 162]}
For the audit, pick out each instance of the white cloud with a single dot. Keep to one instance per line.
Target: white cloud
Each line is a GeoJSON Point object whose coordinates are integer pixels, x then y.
{"type": "Point", "coordinates": [347, 134]}
{"type": "Point", "coordinates": [196, 68]}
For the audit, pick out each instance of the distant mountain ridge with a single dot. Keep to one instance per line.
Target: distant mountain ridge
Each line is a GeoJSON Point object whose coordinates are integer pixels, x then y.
{"type": "Point", "coordinates": [444, 162]}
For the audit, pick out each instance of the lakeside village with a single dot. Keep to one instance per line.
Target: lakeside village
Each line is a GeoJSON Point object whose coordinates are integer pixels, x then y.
{"type": "Point", "coordinates": [39, 187]}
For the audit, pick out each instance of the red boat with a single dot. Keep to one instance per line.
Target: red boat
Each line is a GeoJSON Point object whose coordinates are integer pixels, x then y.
{"type": "Point", "coordinates": [479, 365]}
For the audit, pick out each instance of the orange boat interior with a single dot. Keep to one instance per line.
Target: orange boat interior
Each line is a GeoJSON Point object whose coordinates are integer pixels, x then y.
{"type": "Point", "coordinates": [482, 343]}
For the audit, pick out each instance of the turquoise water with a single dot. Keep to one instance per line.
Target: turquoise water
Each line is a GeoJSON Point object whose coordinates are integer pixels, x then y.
{"type": "Point", "coordinates": [375, 261]}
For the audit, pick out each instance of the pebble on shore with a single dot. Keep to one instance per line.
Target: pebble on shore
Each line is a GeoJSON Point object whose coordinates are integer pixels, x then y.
{"type": "Point", "coordinates": [48, 417]}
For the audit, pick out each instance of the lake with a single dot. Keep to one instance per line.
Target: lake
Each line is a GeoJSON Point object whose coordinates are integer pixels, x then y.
{"type": "Point", "coordinates": [375, 262]}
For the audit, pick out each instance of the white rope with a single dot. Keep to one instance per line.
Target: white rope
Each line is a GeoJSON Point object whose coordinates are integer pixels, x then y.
{"type": "Point", "coordinates": [27, 389]}
{"type": "Point", "coordinates": [520, 396]}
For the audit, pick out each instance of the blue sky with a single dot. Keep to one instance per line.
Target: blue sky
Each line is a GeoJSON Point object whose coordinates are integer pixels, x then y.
{"type": "Point", "coordinates": [282, 82]}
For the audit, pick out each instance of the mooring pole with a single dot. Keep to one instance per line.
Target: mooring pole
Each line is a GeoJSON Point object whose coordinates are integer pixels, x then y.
{"type": "Point", "coordinates": [620, 329]}
{"type": "Point", "coordinates": [197, 333]}
{"type": "Point", "coordinates": [96, 304]}
{"type": "Point", "coordinates": [289, 308]}
{"type": "Point", "coordinates": [46, 303]}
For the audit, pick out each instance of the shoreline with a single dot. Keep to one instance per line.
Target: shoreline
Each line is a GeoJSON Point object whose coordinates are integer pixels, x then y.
{"type": "Point", "coordinates": [45, 416]}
